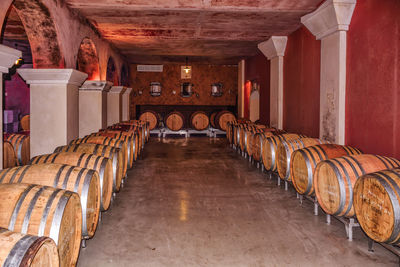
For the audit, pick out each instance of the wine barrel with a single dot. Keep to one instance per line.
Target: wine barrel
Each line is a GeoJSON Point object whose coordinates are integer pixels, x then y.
{"type": "Point", "coordinates": [212, 119]}
{"type": "Point", "coordinates": [25, 123]}
{"type": "Point", "coordinates": [9, 158]}
{"type": "Point", "coordinates": [199, 120]}
{"type": "Point", "coordinates": [100, 164]}
{"type": "Point", "coordinates": [21, 144]}
{"type": "Point", "coordinates": [334, 180]}
{"type": "Point", "coordinates": [377, 205]}
{"type": "Point", "coordinates": [285, 150]}
{"type": "Point", "coordinates": [128, 137]}
{"type": "Point", "coordinates": [107, 141]}
{"type": "Point", "coordinates": [222, 118]}
{"type": "Point", "coordinates": [99, 150]}
{"type": "Point", "coordinates": [21, 250]}
{"type": "Point", "coordinates": [257, 143]}
{"type": "Point", "coordinates": [304, 161]}
{"type": "Point", "coordinates": [44, 211]}
{"type": "Point", "coordinates": [242, 136]}
{"type": "Point", "coordinates": [83, 181]}
{"type": "Point", "coordinates": [174, 121]}
{"type": "Point", "coordinates": [152, 117]}
{"type": "Point", "coordinates": [269, 149]}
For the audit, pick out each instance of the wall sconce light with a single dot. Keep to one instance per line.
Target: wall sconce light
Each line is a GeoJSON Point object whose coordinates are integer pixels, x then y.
{"type": "Point", "coordinates": [186, 71]}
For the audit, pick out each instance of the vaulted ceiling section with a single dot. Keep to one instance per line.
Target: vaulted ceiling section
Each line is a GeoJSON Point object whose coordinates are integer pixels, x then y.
{"type": "Point", "coordinates": [207, 31]}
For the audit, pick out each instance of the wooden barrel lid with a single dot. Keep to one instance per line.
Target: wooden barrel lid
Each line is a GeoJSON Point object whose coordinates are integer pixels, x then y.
{"type": "Point", "coordinates": [151, 117]}
{"type": "Point", "coordinates": [199, 120]}
{"type": "Point", "coordinates": [174, 121]}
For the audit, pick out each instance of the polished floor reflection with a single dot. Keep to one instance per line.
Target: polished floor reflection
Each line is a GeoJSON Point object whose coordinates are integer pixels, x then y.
{"type": "Point", "coordinates": [195, 202]}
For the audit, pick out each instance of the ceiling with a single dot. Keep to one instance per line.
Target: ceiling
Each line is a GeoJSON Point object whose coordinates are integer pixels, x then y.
{"type": "Point", "coordinates": [207, 31]}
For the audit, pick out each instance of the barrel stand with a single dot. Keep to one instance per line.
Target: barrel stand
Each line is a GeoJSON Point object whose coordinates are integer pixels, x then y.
{"type": "Point", "coordinates": [206, 132]}
{"type": "Point", "coordinates": [392, 248]}
{"type": "Point", "coordinates": [180, 132]}
{"type": "Point", "coordinates": [349, 224]}
{"type": "Point", "coordinates": [158, 132]}
{"type": "Point", "coordinates": [312, 199]}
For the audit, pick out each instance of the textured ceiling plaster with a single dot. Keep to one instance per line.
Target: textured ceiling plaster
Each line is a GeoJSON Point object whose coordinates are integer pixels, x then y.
{"type": "Point", "coordinates": [209, 31]}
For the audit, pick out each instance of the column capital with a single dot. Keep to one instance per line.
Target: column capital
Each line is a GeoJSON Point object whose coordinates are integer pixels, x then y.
{"type": "Point", "coordinates": [96, 86]}
{"type": "Point", "coordinates": [118, 89]}
{"type": "Point", "coordinates": [53, 76]}
{"type": "Point", "coordinates": [273, 47]}
{"type": "Point", "coordinates": [8, 56]}
{"type": "Point", "coordinates": [128, 91]}
{"type": "Point", "coordinates": [330, 17]}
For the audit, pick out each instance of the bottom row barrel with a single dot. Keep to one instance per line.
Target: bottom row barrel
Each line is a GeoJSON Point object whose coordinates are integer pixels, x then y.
{"type": "Point", "coordinates": [27, 250]}
{"type": "Point", "coordinates": [44, 211]}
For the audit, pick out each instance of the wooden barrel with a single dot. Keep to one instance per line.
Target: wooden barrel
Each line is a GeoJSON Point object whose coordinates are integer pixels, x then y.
{"type": "Point", "coordinates": [83, 181]}
{"type": "Point", "coordinates": [100, 164]}
{"type": "Point", "coordinates": [107, 141]}
{"type": "Point", "coordinates": [21, 144]}
{"type": "Point", "coordinates": [44, 211]}
{"type": "Point", "coordinates": [128, 137]}
{"type": "Point", "coordinates": [9, 158]}
{"type": "Point", "coordinates": [212, 119]}
{"type": "Point", "coordinates": [229, 132]}
{"type": "Point", "coordinates": [151, 117]}
{"type": "Point", "coordinates": [174, 121]}
{"type": "Point", "coordinates": [269, 149]}
{"type": "Point", "coordinates": [199, 120]}
{"type": "Point", "coordinates": [25, 123]}
{"type": "Point", "coordinates": [21, 250]}
{"type": "Point", "coordinates": [222, 118]}
{"type": "Point", "coordinates": [236, 133]}
{"type": "Point", "coordinates": [377, 205]}
{"type": "Point", "coordinates": [285, 151]}
{"type": "Point", "coordinates": [99, 150]}
{"type": "Point", "coordinates": [257, 143]}
{"type": "Point", "coordinates": [304, 161]}
{"type": "Point", "coordinates": [334, 180]}
{"type": "Point", "coordinates": [242, 136]}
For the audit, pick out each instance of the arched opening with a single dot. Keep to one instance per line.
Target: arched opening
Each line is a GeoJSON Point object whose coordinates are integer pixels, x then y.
{"type": "Point", "coordinates": [112, 75]}
{"type": "Point", "coordinates": [124, 75]}
{"type": "Point", "coordinates": [16, 93]}
{"type": "Point", "coordinates": [87, 60]}
{"type": "Point", "coordinates": [41, 32]}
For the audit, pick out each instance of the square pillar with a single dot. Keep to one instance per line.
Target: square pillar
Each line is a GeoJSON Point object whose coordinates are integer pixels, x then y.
{"type": "Point", "coordinates": [8, 56]}
{"type": "Point", "coordinates": [126, 101]}
{"type": "Point", "coordinates": [93, 106]}
{"type": "Point", "coordinates": [54, 107]}
{"type": "Point", "coordinates": [274, 50]}
{"type": "Point", "coordinates": [241, 82]}
{"type": "Point", "coordinates": [114, 105]}
{"type": "Point", "coordinates": [330, 23]}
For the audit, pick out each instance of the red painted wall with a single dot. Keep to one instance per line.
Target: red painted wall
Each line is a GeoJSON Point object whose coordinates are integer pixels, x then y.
{"type": "Point", "coordinates": [258, 68]}
{"type": "Point", "coordinates": [373, 78]}
{"type": "Point", "coordinates": [301, 83]}
{"type": "Point", "coordinates": [17, 95]}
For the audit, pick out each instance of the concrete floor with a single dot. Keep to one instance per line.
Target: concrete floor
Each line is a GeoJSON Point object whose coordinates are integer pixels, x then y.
{"type": "Point", "coordinates": [197, 203]}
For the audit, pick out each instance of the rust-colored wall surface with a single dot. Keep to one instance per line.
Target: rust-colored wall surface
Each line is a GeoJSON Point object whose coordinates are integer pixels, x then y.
{"type": "Point", "coordinates": [373, 78]}
{"type": "Point", "coordinates": [258, 69]}
{"type": "Point", "coordinates": [202, 78]}
{"type": "Point", "coordinates": [301, 83]}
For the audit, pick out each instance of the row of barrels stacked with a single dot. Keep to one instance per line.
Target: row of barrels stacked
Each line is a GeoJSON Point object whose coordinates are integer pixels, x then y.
{"type": "Point", "coordinates": [344, 181]}
{"type": "Point", "coordinates": [199, 120]}
{"type": "Point", "coordinates": [52, 204]}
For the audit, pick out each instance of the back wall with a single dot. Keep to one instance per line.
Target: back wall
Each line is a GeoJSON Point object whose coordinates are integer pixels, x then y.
{"type": "Point", "coordinates": [202, 78]}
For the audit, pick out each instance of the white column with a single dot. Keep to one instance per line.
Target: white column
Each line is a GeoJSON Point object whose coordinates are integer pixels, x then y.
{"type": "Point", "coordinates": [114, 105]}
{"type": "Point", "coordinates": [54, 107]}
{"type": "Point", "coordinates": [274, 50]}
{"type": "Point", "coordinates": [329, 23]}
{"type": "Point", "coordinates": [241, 82]}
{"type": "Point", "coordinates": [8, 56]}
{"type": "Point", "coordinates": [93, 106]}
{"type": "Point", "coordinates": [126, 101]}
